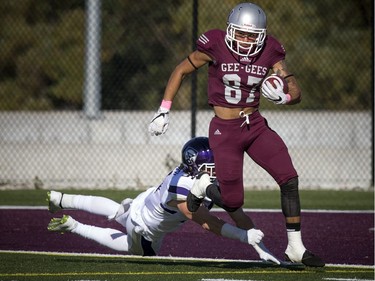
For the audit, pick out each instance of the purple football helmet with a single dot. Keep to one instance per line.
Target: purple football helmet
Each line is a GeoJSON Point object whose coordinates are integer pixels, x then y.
{"type": "Point", "coordinates": [197, 156]}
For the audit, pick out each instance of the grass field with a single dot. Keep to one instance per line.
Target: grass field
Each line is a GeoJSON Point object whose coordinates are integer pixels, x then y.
{"type": "Point", "coordinates": [60, 266]}
{"type": "Point", "coordinates": [22, 266]}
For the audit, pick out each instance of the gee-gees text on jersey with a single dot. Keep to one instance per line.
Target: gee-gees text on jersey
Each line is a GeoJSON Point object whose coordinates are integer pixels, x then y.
{"type": "Point", "coordinates": [237, 67]}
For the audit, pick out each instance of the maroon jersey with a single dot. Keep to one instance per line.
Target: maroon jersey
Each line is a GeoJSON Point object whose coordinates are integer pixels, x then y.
{"type": "Point", "coordinates": [234, 81]}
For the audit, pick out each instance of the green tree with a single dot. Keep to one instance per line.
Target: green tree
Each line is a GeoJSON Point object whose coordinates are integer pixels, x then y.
{"type": "Point", "coordinates": [328, 43]}
{"type": "Point", "coordinates": [40, 51]}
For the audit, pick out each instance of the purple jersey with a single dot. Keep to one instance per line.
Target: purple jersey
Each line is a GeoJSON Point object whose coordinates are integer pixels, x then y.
{"type": "Point", "coordinates": [234, 81]}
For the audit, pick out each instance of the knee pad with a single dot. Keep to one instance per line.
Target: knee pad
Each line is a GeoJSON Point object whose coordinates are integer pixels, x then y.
{"type": "Point", "coordinates": [290, 203]}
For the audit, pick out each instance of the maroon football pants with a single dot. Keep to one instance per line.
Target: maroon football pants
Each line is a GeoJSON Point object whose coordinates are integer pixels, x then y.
{"type": "Point", "coordinates": [230, 139]}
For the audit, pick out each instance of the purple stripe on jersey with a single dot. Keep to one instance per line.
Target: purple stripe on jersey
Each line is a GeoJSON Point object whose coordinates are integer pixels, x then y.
{"type": "Point", "coordinates": [178, 190]}
{"type": "Point", "coordinates": [167, 210]}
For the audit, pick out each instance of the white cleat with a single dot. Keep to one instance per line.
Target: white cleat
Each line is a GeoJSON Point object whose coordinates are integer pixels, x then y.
{"type": "Point", "coordinates": [64, 224]}
{"type": "Point", "coordinates": [54, 201]}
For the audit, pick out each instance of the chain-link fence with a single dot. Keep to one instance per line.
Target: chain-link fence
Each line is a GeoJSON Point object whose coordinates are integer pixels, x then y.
{"type": "Point", "coordinates": [80, 81]}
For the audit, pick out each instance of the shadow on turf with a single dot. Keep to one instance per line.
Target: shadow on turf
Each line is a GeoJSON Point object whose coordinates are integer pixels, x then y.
{"type": "Point", "coordinates": [214, 264]}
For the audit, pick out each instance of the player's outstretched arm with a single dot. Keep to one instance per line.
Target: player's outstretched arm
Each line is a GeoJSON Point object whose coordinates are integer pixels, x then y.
{"type": "Point", "coordinates": [212, 223]}
{"type": "Point", "coordinates": [160, 121]}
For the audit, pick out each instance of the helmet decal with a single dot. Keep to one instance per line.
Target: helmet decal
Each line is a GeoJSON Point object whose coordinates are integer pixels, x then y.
{"type": "Point", "coordinates": [190, 155]}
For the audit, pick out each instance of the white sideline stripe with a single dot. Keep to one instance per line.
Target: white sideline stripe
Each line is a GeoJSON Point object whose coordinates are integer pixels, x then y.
{"type": "Point", "coordinates": [218, 210]}
{"type": "Point", "coordinates": [24, 207]}
{"type": "Point", "coordinates": [348, 279]}
{"type": "Point", "coordinates": [167, 258]}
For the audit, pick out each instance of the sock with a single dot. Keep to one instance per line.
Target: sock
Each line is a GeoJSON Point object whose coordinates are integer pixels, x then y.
{"type": "Point", "coordinates": [93, 204]}
{"type": "Point", "coordinates": [111, 238]}
{"type": "Point", "coordinates": [295, 249]}
{"type": "Point", "coordinates": [293, 227]}
{"type": "Point", "coordinates": [67, 201]}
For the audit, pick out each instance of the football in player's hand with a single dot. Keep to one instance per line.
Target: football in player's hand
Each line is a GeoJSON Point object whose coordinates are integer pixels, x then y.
{"type": "Point", "coordinates": [274, 77]}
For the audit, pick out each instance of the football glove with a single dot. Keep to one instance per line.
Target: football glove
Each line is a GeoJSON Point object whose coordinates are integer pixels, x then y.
{"type": "Point", "coordinates": [276, 95]}
{"type": "Point", "coordinates": [159, 123]}
{"type": "Point", "coordinates": [254, 236]}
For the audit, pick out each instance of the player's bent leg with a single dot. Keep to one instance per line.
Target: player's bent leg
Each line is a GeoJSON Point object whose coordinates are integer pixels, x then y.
{"type": "Point", "coordinates": [111, 238]}
{"type": "Point", "coordinates": [97, 205]}
{"type": "Point", "coordinates": [108, 237]}
{"type": "Point", "coordinates": [241, 219]}
{"type": "Point", "coordinates": [290, 204]}
{"type": "Point", "coordinates": [93, 204]}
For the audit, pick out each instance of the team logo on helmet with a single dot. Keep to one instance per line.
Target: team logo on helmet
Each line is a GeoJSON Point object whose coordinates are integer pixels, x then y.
{"type": "Point", "coordinates": [190, 155]}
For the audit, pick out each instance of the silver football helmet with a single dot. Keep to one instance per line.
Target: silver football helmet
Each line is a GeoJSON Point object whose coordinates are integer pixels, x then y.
{"type": "Point", "coordinates": [246, 20]}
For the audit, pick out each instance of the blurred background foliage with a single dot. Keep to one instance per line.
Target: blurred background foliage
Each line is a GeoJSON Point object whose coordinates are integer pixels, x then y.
{"type": "Point", "coordinates": [42, 43]}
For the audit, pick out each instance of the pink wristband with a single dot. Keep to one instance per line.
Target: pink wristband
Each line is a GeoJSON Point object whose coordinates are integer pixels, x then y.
{"type": "Point", "coordinates": [288, 98]}
{"type": "Point", "coordinates": [166, 104]}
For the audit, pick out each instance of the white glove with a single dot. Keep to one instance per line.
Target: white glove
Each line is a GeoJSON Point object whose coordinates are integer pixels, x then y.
{"type": "Point", "coordinates": [264, 253]}
{"type": "Point", "coordinates": [276, 95]}
{"type": "Point", "coordinates": [254, 236]}
{"type": "Point", "coordinates": [159, 123]}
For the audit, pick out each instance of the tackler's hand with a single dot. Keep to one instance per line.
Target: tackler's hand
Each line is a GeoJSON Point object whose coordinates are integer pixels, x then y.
{"type": "Point", "coordinates": [159, 123]}
{"type": "Point", "coordinates": [254, 236]}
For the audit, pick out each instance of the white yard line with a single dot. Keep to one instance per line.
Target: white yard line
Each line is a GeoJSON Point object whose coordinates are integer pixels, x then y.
{"type": "Point", "coordinates": [347, 279]}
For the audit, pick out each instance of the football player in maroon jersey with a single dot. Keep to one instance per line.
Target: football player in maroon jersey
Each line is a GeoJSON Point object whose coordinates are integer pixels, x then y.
{"type": "Point", "coordinates": [238, 59]}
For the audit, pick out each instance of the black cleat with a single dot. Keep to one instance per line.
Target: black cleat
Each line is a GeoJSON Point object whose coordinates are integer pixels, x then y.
{"type": "Point", "coordinates": [309, 259]}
